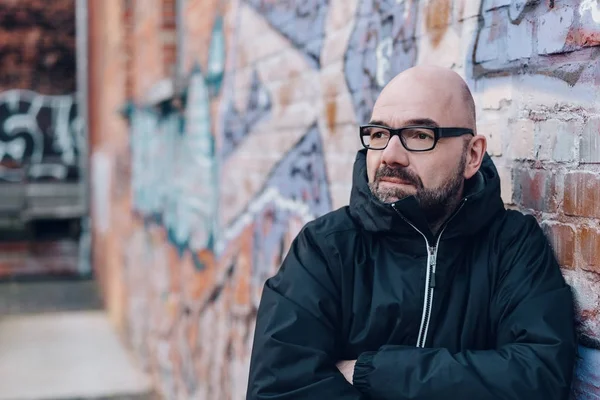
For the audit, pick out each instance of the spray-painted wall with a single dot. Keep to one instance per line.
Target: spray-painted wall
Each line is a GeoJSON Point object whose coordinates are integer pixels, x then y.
{"type": "Point", "coordinates": [265, 136]}
{"type": "Point", "coordinates": [39, 125]}
{"type": "Point", "coordinates": [41, 141]}
{"type": "Point", "coordinates": [40, 137]}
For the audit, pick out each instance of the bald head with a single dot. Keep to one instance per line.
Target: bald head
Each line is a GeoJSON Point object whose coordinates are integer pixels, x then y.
{"type": "Point", "coordinates": [430, 92]}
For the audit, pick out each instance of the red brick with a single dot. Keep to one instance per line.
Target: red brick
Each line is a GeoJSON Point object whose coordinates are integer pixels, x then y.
{"type": "Point", "coordinates": [582, 194]}
{"type": "Point", "coordinates": [589, 248]}
{"type": "Point", "coordinates": [37, 46]}
{"type": "Point", "coordinates": [562, 239]}
{"type": "Point", "coordinates": [535, 189]}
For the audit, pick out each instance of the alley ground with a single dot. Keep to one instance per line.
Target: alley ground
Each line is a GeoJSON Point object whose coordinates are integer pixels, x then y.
{"type": "Point", "coordinates": [56, 343]}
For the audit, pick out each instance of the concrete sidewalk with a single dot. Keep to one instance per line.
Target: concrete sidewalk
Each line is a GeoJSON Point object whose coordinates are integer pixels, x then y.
{"type": "Point", "coordinates": [67, 355]}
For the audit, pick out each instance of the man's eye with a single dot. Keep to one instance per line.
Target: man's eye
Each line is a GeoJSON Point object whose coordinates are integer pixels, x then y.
{"type": "Point", "coordinates": [418, 135]}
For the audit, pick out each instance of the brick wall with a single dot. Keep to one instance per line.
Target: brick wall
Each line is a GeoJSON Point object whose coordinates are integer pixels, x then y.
{"type": "Point", "coordinates": [37, 46]}
{"type": "Point", "coordinates": [207, 196]}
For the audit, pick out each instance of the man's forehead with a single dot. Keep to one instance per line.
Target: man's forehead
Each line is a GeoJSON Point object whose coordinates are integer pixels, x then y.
{"type": "Point", "coordinates": [402, 113]}
{"type": "Point", "coordinates": [419, 109]}
{"type": "Point", "coordinates": [398, 122]}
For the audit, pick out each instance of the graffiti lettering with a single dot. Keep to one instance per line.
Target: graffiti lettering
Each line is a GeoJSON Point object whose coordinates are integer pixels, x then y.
{"type": "Point", "coordinates": [38, 132]}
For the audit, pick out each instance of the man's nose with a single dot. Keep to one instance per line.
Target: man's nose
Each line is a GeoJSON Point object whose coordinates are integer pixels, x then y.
{"type": "Point", "coordinates": [395, 153]}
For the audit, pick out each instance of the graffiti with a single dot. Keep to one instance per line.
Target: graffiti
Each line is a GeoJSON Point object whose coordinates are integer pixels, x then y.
{"type": "Point", "coordinates": [587, 375]}
{"type": "Point", "coordinates": [238, 125]}
{"type": "Point", "coordinates": [142, 125]}
{"type": "Point", "coordinates": [299, 178]}
{"type": "Point", "coordinates": [301, 22]}
{"type": "Point", "coordinates": [174, 165]}
{"type": "Point", "coordinates": [192, 218]}
{"type": "Point", "coordinates": [216, 59]}
{"type": "Point", "coordinates": [591, 6]}
{"type": "Point", "coordinates": [381, 45]}
{"type": "Point", "coordinates": [40, 134]}
{"type": "Point", "coordinates": [505, 46]}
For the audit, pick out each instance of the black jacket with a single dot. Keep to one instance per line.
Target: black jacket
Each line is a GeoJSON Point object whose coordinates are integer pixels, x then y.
{"type": "Point", "coordinates": [479, 312]}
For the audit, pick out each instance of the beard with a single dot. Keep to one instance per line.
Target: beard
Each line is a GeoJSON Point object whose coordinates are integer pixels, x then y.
{"type": "Point", "coordinates": [435, 203]}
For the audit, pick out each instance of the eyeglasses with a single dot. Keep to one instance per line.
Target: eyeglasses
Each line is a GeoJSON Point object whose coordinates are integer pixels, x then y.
{"type": "Point", "coordinates": [413, 138]}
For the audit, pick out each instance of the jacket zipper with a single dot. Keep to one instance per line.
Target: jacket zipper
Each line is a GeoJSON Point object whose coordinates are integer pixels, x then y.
{"type": "Point", "coordinates": [429, 276]}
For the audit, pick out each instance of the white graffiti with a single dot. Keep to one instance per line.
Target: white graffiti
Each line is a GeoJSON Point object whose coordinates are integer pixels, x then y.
{"type": "Point", "coordinates": [216, 64]}
{"type": "Point", "coordinates": [269, 196]}
{"type": "Point", "coordinates": [174, 172]}
{"type": "Point", "coordinates": [593, 6]}
{"type": "Point", "coordinates": [35, 128]}
{"type": "Point", "coordinates": [384, 53]}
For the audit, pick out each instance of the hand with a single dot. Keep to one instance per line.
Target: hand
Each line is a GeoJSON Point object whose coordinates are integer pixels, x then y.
{"type": "Point", "coordinates": [346, 367]}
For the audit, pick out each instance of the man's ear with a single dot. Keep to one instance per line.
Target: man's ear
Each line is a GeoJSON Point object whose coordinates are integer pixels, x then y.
{"type": "Point", "coordinates": [475, 152]}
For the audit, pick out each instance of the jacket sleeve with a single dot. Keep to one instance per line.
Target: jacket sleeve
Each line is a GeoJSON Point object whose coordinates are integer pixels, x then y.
{"type": "Point", "coordinates": [295, 344]}
{"type": "Point", "coordinates": [535, 341]}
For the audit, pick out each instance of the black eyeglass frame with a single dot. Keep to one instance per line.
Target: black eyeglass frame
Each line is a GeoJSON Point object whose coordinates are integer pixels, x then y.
{"type": "Point", "coordinates": [439, 132]}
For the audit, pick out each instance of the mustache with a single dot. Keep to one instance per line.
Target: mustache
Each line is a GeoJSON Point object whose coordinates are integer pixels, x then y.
{"type": "Point", "coordinates": [386, 171]}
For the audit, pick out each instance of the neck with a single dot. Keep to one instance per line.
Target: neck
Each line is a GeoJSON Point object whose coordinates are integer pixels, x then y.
{"type": "Point", "coordinates": [436, 223]}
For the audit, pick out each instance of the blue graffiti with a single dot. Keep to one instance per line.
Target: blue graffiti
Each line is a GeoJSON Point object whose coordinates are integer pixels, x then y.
{"type": "Point", "coordinates": [301, 22]}
{"type": "Point", "coordinates": [237, 125]}
{"type": "Point", "coordinates": [587, 374]}
{"type": "Point", "coordinates": [382, 44]}
{"type": "Point", "coordinates": [301, 176]}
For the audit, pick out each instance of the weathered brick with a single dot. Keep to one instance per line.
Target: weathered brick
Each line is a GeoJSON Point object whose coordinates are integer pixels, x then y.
{"type": "Point", "coordinates": [535, 189]}
{"type": "Point", "coordinates": [506, 184]}
{"type": "Point", "coordinates": [468, 29]}
{"type": "Point", "coordinates": [492, 4]}
{"type": "Point", "coordinates": [332, 80]}
{"type": "Point", "coordinates": [338, 111]}
{"type": "Point", "coordinates": [552, 30]}
{"type": "Point", "coordinates": [587, 32]}
{"type": "Point", "coordinates": [343, 140]}
{"type": "Point", "coordinates": [520, 40]}
{"type": "Point", "coordinates": [445, 53]}
{"type": "Point", "coordinates": [589, 248]}
{"type": "Point", "coordinates": [38, 46]}
{"type": "Point", "coordinates": [521, 142]}
{"type": "Point", "coordinates": [555, 140]}
{"type": "Point", "coordinates": [562, 239]}
{"type": "Point", "coordinates": [589, 147]}
{"type": "Point", "coordinates": [586, 287]}
{"type": "Point", "coordinates": [493, 130]}
{"type": "Point", "coordinates": [334, 45]}
{"type": "Point", "coordinates": [340, 14]}
{"type": "Point", "coordinates": [467, 9]}
{"type": "Point", "coordinates": [488, 47]}
{"type": "Point", "coordinates": [582, 194]}
{"type": "Point", "coordinates": [497, 93]}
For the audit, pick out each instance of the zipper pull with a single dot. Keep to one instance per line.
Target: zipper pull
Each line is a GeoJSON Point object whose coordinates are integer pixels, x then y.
{"type": "Point", "coordinates": [432, 256]}
{"type": "Point", "coordinates": [432, 261]}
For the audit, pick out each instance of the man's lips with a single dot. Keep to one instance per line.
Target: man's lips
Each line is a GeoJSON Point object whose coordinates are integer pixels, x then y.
{"type": "Point", "coordinates": [395, 180]}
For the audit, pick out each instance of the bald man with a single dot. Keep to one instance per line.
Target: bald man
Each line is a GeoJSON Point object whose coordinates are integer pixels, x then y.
{"type": "Point", "coordinates": [425, 286]}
